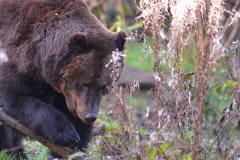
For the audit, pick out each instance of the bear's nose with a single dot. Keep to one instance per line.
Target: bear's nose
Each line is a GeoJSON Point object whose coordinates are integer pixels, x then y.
{"type": "Point", "coordinates": [120, 42]}
{"type": "Point", "coordinates": [91, 117]}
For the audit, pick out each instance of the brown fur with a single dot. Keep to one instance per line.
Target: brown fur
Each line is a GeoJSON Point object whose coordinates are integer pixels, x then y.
{"type": "Point", "coordinates": [57, 55]}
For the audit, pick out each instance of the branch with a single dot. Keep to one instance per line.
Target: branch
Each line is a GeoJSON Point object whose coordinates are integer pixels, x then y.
{"type": "Point", "coordinates": [5, 119]}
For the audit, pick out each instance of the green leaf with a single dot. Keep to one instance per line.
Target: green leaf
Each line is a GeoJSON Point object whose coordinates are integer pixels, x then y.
{"type": "Point", "coordinates": [163, 148]}
{"type": "Point", "coordinates": [187, 157]}
{"type": "Point", "coordinates": [224, 87]}
{"type": "Point", "coordinates": [217, 87]}
{"type": "Point", "coordinates": [152, 154]}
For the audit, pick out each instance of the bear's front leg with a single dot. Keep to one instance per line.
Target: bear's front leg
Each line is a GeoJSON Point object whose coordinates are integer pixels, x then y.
{"type": "Point", "coordinates": [20, 98]}
{"type": "Point", "coordinates": [43, 119]}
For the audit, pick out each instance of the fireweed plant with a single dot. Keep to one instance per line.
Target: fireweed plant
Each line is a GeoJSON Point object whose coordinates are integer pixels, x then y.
{"type": "Point", "coordinates": [174, 25]}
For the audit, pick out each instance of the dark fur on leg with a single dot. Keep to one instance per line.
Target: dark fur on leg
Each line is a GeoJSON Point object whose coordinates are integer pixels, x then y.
{"type": "Point", "coordinates": [12, 143]}
{"type": "Point", "coordinates": [84, 130]}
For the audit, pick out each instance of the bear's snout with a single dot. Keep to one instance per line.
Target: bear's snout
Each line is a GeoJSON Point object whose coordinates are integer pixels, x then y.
{"type": "Point", "coordinates": [91, 117]}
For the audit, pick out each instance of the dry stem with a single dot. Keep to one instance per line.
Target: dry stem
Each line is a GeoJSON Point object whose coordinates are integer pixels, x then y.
{"type": "Point", "coordinates": [204, 49]}
{"type": "Point", "coordinates": [200, 85]}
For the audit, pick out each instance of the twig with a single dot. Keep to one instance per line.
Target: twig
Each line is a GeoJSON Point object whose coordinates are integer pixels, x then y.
{"type": "Point", "coordinates": [236, 114]}
{"type": "Point", "coordinates": [5, 119]}
{"type": "Point", "coordinates": [228, 21]}
{"type": "Point", "coordinates": [110, 147]}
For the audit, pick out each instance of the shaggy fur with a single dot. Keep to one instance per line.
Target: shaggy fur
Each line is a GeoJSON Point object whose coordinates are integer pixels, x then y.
{"type": "Point", "coordinates": [56, 74]}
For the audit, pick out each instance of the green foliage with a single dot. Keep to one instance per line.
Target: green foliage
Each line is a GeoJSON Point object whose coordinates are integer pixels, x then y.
{"type": "Point", "coordinates": [139, 55]}
{"type": "Point", "coordinates": [120, 24]}
{"type": "Point", "coordinates": [189, 58]}
{"type": "Point", "coordinates": [152, 154]}
{"type": "Point", "coordinates": [163, 148]}
{"type": "Point", "coordinates": [35, 150]}
{"type": "Point", "coordinates": [219, 97]}
{"type": "Point", "coordinates": [111, 125]}
{"type": "Point", "coordinates": [186, 157]}
{"type": "Point", "coordinates": [5, 156]}
{"type": "Point", "coordinates": [139, 58]}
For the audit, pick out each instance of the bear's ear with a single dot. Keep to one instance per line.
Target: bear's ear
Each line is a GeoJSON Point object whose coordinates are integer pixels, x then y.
{"type": "Point", "coordinates": [78, 42]}
{"type": "Point", "coordinates": [121, 40]}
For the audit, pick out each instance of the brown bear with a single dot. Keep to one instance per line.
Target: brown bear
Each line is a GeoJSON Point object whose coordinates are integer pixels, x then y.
{"type": "Point", "coordinates": [56, 71]}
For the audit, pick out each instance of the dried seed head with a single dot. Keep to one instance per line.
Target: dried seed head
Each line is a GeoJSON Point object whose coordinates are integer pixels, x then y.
{"type": "Point", "coordinates": [116, 64]}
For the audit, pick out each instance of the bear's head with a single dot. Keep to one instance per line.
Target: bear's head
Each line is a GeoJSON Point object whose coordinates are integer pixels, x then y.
{"type": "Point", "coordinates": [61, 43]}
{"type": "Point", "coordinates": [86, 77]}
{"type": "Point", "coordinates": [76, 61]}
